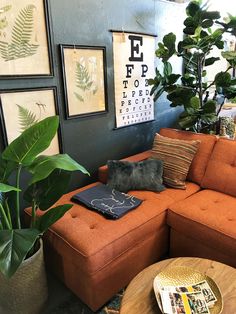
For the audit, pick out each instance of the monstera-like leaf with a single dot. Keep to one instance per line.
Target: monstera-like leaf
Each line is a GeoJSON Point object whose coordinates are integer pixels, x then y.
{"type": "Point", "coordinates": [32, 141]}
{"type": "Point", "coordinates": [46, 192]}
{"type": "Point", "coordinates": [14, 246]}
{"type": "Point", "coordinates": [44, 165]}
{"type": "Point", "coordinates": [49, 179]}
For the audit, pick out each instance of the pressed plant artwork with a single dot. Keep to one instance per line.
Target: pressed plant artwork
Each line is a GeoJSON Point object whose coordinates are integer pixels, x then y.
{"type": "Point", "coordinates": [28, 118]}
{"type": "Point", "coordinates": [84, 79]}
{"type": "Point", "coordinates": [20, 45]}
{"type": "Point", "coordinates": [21, 109]}
{"type": "Point", "coordinates": [24, 38]}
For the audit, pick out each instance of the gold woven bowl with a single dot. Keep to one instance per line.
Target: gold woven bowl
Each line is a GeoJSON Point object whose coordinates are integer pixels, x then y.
{"type": "Point", "coordinates": [183, 276]}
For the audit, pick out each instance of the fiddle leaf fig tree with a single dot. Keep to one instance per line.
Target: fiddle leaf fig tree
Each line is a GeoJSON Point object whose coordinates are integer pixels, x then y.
{"type": "Point", "coordinates": [203, 30]}
{"type": "Point", "coordinates": [49, 178]}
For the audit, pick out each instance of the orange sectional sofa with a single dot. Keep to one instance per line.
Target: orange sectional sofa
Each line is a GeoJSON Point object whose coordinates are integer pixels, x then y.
{"type": "Point", "coordinates": [96, 257]}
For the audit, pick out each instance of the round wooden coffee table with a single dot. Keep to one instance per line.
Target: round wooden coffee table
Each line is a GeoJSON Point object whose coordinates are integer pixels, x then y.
{"type": "Point", "coordinates": [139, 297]}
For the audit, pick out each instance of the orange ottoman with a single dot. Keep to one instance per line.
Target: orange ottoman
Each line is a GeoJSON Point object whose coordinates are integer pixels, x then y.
{"type": "Point", "coordinates": [96, 257]}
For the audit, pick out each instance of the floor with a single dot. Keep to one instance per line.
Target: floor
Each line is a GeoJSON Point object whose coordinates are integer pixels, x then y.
{"type": "Point", "coordinates": [62, 301]}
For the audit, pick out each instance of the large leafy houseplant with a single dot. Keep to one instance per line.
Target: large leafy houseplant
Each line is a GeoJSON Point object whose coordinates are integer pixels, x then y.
{"type": "Point", "coordinates": [48, 180]}
{"type": "Point", "coordinates": [203, 31]}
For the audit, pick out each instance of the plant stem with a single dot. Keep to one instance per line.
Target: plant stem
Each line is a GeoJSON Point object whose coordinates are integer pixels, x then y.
{"type": "Point", "coordinates": [18, 197]}
{"type": "Point", "coordinates": [8, 213]}
{"type": "Point", "coordinates": [200, 91]}
{"type": "Point", "coordinates": [4, 216]}
{"type": "Point", "coordinates": [219, 110]}
{"type": "Point", "coordinates": [33, 214]}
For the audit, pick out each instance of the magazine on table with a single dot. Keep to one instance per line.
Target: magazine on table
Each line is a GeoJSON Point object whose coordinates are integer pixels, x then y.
{"type": "Point", "coordinates": [184, 303]}
{"type": "Point", "coordinates": [190, 299]}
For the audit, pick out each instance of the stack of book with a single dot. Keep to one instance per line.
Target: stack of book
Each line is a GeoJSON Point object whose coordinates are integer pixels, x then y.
{"type": "Point", "coordinates": [196, 298]}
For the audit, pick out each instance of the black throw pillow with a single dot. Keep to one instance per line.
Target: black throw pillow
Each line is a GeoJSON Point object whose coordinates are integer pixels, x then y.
{"type": "Point", "coordinates": [142, 175]}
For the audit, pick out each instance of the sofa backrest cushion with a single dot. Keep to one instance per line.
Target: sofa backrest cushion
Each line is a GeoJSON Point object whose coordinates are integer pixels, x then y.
{"type": "Point", "coordinates": [177, 156]}
{"type": "Point", "coordinates": [221, 170]}
{"type": "Point", "coordinates": [200, 160]}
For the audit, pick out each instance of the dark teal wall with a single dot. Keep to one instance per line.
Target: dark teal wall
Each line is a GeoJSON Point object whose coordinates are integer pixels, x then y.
{"type": "Point", "coordinates": [93, 140]}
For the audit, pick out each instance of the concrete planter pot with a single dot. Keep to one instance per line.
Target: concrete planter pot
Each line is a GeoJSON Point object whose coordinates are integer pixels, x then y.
{"type": "Point", "coordinates": [26, 291]}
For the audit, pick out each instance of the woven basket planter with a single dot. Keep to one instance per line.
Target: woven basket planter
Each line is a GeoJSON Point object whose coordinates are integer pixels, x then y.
{"type": "Point", "coordinates": [26, 291]}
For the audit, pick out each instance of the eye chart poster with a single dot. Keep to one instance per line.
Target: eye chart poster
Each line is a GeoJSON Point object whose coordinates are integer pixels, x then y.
{"type": "Point", "coordinates": [133, 65]}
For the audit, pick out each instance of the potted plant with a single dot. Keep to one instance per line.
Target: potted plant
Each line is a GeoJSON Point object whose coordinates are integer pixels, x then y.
{"type": "Point", "coordinates": [48, 180]}
{"type": "Point", "coordinates": [203, 31]}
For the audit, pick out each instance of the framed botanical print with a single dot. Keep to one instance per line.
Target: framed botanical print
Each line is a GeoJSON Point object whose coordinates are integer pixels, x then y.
{"type": "Point", "coordinates": [25, 44]}
{"type": "Point", "coordinates": [84, 76]}
{"type": "Point", "coordinates": [19, 109]}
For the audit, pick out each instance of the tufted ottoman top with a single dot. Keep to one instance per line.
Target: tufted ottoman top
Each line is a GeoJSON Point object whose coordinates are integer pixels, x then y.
{"type": "Point", "coordinates": [92, 241]}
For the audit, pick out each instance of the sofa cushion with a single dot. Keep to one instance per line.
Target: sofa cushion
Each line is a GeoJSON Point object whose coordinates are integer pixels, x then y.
{"type": "Point", "coordinates": [206, 216]}
{"type": "Point", "coordinates": [177, 156]}
{"type": "Point", "coordinates": [200, 160]}
{"type": "Point", "coordinates": [221, 170]}
{"type": "Point", "coordinates": [103, 170]}
{"type": "Point", "coordinates": [141, 175]}
{"type": "Point", "coordinates": [94, 241]}
{"type": "Point", "coordinates": [169, 196]}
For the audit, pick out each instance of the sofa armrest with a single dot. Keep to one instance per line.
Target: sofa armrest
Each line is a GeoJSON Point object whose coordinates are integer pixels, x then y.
{"type": "Point", "coordinates": [103, 170]}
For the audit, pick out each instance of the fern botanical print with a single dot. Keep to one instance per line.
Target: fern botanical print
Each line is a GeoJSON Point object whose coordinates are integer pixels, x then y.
{"type": "Point", "coordinates": [83, 80]}
{"type": "Point", "coordinates": [20, 45]}
{"type": "Point", "coordinates": [23, 108]}
{"type": "Point", "coordinates": [28, 118]}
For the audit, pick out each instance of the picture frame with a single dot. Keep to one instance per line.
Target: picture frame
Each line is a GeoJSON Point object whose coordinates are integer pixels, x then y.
{"type": "Point", "coordinates": [84, 78]}
{"type": "Point", "coordinates": [21, 108]}
{"type": "Point", "coordinates": [25, 39]}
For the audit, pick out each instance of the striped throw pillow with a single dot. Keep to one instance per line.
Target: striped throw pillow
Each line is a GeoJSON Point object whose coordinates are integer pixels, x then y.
{"type": "Point", "coordinates": [177, 156]}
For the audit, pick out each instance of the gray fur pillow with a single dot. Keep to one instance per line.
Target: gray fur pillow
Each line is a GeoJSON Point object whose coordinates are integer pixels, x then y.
{"type": "Point", "coordinates": [142, 175]}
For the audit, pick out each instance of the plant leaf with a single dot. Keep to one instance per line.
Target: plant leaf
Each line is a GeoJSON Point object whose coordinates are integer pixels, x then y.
{"type": "Point", "coordinates": [229, 55]}
{"type": "Point", "coordinates": [26, 117]}
{"type": "Point", "coordinates": [181, 95]}
{"type": "Point", "coordinates": [195, 103]}
{"type": "Point", "coordinates": [32, 141]}
{"type": "Point", "coordinates": [6, 168]}
{"type": "Point", "coordinates": [223, 79]}
{"type": "Point", "coordinates": [173, 78]}
{"type": "Point", "coordinates": [210, 61]}
{"type": "Point", "coordinates": [169, 42]}
{"type": "Point", "coordinates": [80, 98]}
{"type": "Point", "coordinates": [83, 80]}
{"type": "Point", "coordinates": [209, 107]}
{"type": "Point", "coordinates": [7, 188]}
{"type": "Point", "coordinates": [51, 216]}
{"type": "Point", "coordinates": [187, 121]}
{"type": "Point", "coordinates": [158, 93]}
{"type": "Point", "coordinates": [207, 23]}
{"type": "Point", "coordinates": [44, 165]}
{"type": "Point", "coordinates": [46, 192]}
{"type": "Point", "coordinates": [192, 8]}
{"type": "Point", "coordinates": [5, 8]}
{"type": "Point", "coordinates": [14, 246]}
{"type": "Point", "coordinates": [167, 69]}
